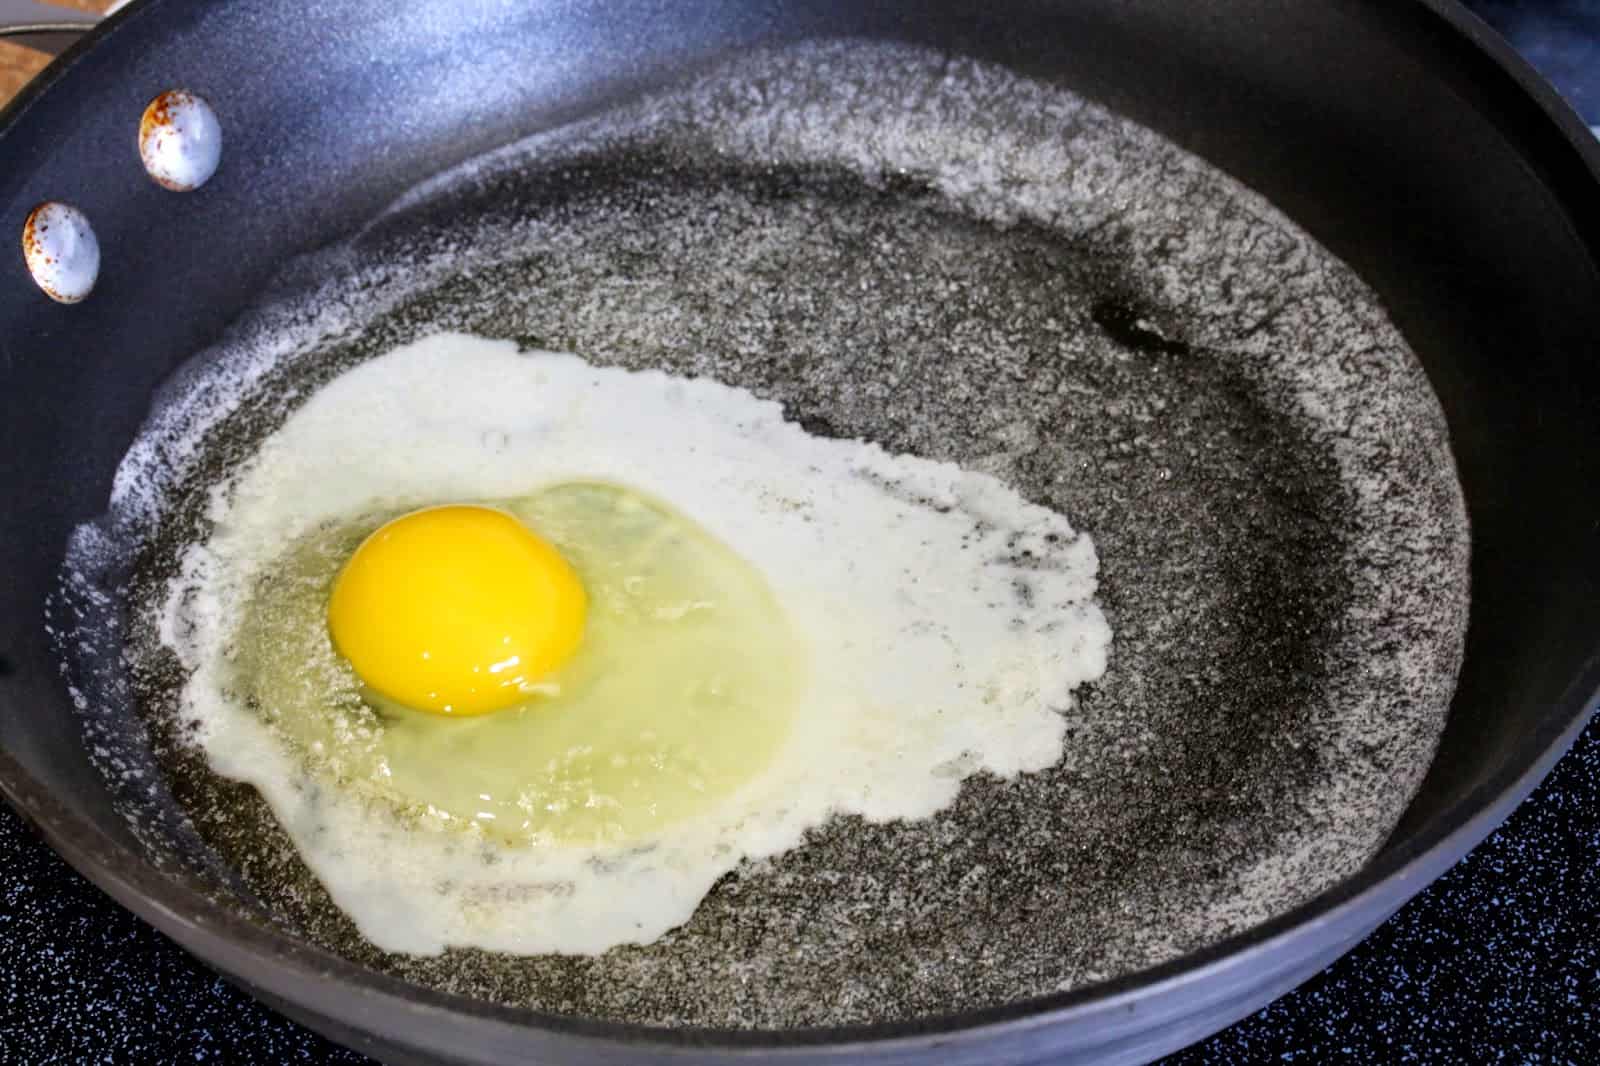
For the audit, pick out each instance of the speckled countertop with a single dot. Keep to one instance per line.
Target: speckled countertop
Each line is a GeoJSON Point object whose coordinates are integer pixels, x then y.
{"type": "Point", "coordinates": [1498, 961]}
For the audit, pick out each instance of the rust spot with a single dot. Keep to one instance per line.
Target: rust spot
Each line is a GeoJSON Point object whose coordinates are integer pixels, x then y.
{"type": "Point", "coordinates": [157, 120]}
{"type": "Point", "coordinates": [159, 113]}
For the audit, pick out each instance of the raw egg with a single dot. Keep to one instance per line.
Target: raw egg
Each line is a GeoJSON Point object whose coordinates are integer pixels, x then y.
{"type": "Point", "coordinates": [726, 630]}
{"type": "Point", "coordinates": [456, 610]}
{"type": "Point", "coordinates": [681, 688]}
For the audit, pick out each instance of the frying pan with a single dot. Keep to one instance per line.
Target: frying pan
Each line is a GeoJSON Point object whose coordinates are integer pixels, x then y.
{"type": "Point", "coordinates": [1400, 135]}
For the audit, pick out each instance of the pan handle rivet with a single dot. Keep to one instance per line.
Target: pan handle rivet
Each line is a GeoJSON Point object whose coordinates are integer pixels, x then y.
{"type": "Point", "coordinates": [180, 140]}
{"type": "Point", "coordinates": [61, 251]}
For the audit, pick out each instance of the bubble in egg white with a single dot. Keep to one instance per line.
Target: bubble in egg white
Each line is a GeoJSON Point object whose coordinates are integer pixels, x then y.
{"type": "Point", "coordinates": [947, 622]}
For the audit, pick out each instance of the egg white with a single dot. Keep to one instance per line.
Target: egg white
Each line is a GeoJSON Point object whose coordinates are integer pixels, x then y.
{"type": "Point", "coordinates": [947, 622]}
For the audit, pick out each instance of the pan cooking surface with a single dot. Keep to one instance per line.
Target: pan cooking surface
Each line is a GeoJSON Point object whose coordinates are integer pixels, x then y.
{"type": "Point", "coordinates": [937, 256]}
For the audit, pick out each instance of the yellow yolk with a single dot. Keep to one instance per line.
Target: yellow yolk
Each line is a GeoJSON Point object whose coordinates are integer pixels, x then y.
{"type": "Point", "coordinates": [456, 610]}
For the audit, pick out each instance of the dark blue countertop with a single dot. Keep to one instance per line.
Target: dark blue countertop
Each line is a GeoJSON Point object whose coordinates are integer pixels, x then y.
{"type": "Point", "coordinates": [1498, 961]}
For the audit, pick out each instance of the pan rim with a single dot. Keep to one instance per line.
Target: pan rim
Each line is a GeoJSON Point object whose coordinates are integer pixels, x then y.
{"type": "Point", "coordinates": [215, 935]}
{"type": "Point", "coordinates": [1255, 958]}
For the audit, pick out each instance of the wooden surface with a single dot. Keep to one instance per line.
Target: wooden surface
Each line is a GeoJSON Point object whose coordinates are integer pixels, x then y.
{"type": "Point", "coordinates": [18, 64]}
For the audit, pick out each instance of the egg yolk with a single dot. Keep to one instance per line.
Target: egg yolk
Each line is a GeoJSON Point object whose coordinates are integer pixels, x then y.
{"type": "Point", "coordinates": [456, 610]}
